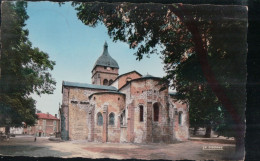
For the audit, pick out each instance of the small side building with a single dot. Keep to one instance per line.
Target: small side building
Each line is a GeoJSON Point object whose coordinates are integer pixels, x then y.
{"type": "Point", "coordinates": [46, 125]}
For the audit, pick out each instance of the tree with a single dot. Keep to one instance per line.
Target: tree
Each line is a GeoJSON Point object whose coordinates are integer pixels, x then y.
{"type": "Point", "coordinates": [212, 38]}
{"type": "Point", "coordinates": [203, 103]}
{"type": "Point", "coordinates": [24, 69]}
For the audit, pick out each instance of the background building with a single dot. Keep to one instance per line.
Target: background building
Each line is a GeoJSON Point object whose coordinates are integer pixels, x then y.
{"type": "Point", "coordinates": [46, 125]}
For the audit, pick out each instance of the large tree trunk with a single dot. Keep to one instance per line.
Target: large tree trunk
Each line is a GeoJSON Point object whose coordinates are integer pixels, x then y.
{"type": "Point", "coordinates": [208, 132]}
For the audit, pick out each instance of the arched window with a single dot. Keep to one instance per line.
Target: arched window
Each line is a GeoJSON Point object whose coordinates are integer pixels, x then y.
{"type": "Point", "coordinates": [180, 118]}
{"type": "Point", "coordinates": [105, 82]}
{"type": "Point", "coordinates": [111, 119]}
{"type": "Point", "coordinates": [99, 119]}
{"type": "Point", "coordinates": [141, 113]}
{"type": "Point", "coordinates": [110, 81]}
{"type": "Point", "coordinates": [156, 112]}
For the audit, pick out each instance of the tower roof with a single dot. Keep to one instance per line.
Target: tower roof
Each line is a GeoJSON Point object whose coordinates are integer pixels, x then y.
{"type": "Point", "coordinates": [105, 59]}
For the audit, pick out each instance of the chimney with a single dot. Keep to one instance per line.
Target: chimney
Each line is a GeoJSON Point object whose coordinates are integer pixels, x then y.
{"type": "Point", "coordinates": [56, 115]}
{"type": "Point", "coordinates": [47, 114]}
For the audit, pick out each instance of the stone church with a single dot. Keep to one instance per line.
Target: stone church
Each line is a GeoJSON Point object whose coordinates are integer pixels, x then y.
{"type": "Point", "coordinates": [121, 108]}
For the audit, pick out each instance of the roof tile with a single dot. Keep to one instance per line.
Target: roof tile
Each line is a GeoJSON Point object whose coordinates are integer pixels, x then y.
{"type": "Point", "coordinates": [46, 116]}
{"type": "Point", "coordinates": [86, 85]}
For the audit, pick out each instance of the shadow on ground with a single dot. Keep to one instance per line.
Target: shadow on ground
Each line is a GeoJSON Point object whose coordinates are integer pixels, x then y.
{"type": "Point", "coordinates": [36, 151]}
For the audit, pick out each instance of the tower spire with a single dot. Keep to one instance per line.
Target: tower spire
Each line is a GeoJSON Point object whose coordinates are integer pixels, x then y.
{"type": "Point", "coordinates": [105, 52]}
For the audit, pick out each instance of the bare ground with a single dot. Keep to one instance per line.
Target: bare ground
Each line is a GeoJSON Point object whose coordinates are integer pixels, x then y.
{"type": "Point", "coordinates": [192, 149]}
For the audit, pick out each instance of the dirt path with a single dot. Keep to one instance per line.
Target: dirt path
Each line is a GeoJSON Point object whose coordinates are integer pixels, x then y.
{"type": "Point", "coordinates": [25, 146]}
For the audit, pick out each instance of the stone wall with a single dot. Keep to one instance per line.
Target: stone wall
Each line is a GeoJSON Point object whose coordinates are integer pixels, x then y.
{"type": "Point", "coordinates": [74, 113]}
{"type": "Point", "coordinates": [102, 69]}
{"type": "Point", "coordinates": [64, 117]}
{"type": "Point", "coordinates": [108, 73]}
{"type": "Point", "coordinates": [181, 131]}
{"type": "Point", "coordinates": [78, 112]}
{"type": "Point", "coordinates": [123, 79]}
{"type": "Point", "coordinates": [107, 76]}
{"type": "Point", "coordinates": [123, 134]}
{"type": "Point", "coordinates": [146, 92]}
{"type": "Point", "coordinates": [78, 122]}
{"type": "Point", "coordinates": [115, 84]}
{"type": "Point", "coordinates": [65, 114]}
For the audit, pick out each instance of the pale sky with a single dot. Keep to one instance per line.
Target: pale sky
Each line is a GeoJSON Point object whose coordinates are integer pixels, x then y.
{"type": "Point", "coordinates": [75, 48]}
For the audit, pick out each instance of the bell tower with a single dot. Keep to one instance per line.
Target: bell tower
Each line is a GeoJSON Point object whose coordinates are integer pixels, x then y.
{"type": "Point", "coordinates": [105, 70]}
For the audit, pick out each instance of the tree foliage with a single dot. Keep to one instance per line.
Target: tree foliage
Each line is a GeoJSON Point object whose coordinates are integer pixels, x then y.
{"type": "Point", "coordinates": [24, 69]}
